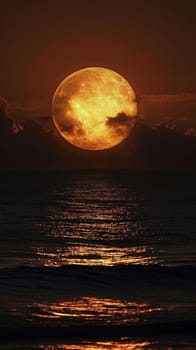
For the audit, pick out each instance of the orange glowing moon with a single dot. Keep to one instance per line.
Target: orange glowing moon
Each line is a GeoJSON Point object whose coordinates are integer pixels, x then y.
{"type": "Point", "coordinates": [94, 108]}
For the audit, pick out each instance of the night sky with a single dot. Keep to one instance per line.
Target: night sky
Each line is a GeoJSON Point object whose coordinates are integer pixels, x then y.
{"type": "Point", "coordinates": [150, 43]}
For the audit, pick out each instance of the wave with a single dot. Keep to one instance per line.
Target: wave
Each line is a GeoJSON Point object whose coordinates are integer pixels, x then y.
{"type": "Point", "coordinates": [94, 331]}
{"type": "Point", "coordinates": [152, 270]}
{"type": "Point", "coordinates": [168, 293]}
{"type": "Point", "coordinates": [119, 275]}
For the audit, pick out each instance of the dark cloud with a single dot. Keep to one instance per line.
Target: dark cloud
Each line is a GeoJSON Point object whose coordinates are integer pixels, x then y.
{"type": "Point", "coordinates": [168, 98]}
{"type": "Point", "coordinates": [121, 123]}
{"type": "Point", "coordinates": [17, 127]}
{"type": "Point", "coordinates": [176, 108]}
{"type": "Point", "coordinates": [60, 109]}
{"type": "Point", "coordinates": [46, 123]}
{"type": "Point", "coordinates": [120, 120]}
{"type": "Point", "coordinates": [190, 132]}
{"type": "Point", "coordinates": [162, 147]}
{"type": "Point", "coordinates": [67, 126]}
{"type": "Point", "coordinates": [29, 110]}
{"type": "Point", "coordinates": [162, 125]}
{"type": "Point", "coordinates": [158, 147]}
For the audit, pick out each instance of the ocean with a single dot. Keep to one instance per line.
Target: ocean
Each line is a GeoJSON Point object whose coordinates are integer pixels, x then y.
{"type": "Point", "coordinates": [95, 260]}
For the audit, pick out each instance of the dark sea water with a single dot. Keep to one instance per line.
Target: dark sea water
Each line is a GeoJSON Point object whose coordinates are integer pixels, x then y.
{"type": "Point", "coordinates": [97, 260]}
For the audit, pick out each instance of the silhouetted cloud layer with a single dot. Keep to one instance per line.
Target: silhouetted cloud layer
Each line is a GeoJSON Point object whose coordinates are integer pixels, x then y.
{"type": "Point", "coordinates": [27, 145]}
{"type": "Point", "coordinates": [177, 108]}
{"type": "Point", "coordinates": [172, 108]}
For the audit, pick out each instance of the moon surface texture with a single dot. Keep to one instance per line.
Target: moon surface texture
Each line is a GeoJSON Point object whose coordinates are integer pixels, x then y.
{"type": "Point", "coordinates": [94, 108]}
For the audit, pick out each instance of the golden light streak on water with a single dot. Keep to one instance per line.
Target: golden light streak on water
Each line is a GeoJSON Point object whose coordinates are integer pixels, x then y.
{"type": "Point", "coordinates": [123, 344]}
{"type": "Point", "coordinates": [88, 254]}
{"type": "Point", "coordinates": [93, 309]}
{"type": "Point", "coordinates": [105, 345]}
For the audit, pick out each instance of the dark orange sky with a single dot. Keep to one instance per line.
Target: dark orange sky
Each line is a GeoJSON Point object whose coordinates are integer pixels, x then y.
{"type": "Point", "coordinates": [151, 43]}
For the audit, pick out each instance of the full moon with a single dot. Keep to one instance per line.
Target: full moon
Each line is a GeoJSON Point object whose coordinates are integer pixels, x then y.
{"type": "Point", "coordinates": [94, 108]}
